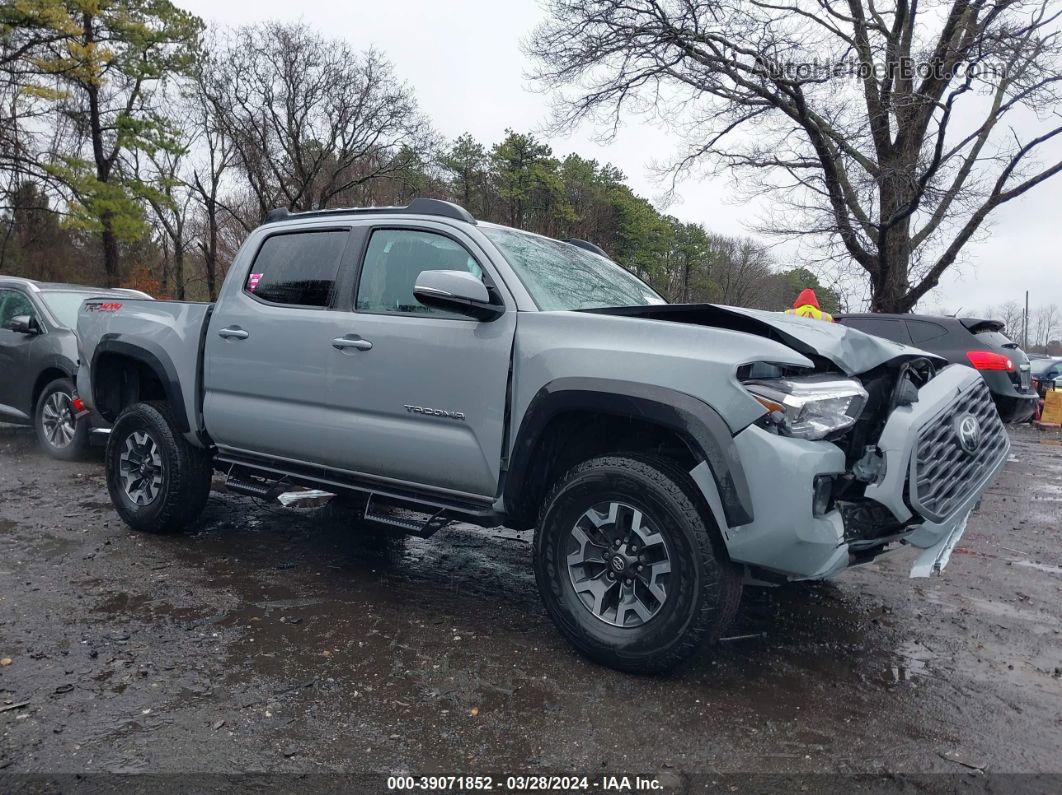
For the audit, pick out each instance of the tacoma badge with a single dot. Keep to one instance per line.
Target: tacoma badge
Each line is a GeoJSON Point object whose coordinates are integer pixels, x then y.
{"type": "Point", "coordinates": [453, 415]}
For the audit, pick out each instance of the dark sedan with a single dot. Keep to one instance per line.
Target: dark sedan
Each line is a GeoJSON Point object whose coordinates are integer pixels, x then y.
{"type": "Point", "coordinates": [974, 342]}
{"type": "Point", "coordinates": [1046, 374]}
{"type": "Point", "coordinates": [38, 360]}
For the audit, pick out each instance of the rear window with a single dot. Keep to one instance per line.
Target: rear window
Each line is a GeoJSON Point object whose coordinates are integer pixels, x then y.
{"type": "Point", "coordinates": [65, 305]}
{"type": "Point", "coordinates": [996, 338]}
{"type": "Point", "coordinates": [925, 330]}
{"type": "Point", "coordinates": [888, 328]}
{"type": "Point", "coordinates": [297, 268]}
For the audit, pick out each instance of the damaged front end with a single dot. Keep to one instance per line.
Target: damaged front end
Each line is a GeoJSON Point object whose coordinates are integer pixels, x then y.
{"type": "Point", "coordinates": [869, 445]}
{"type": "Point", "coordinates": [916, 446]}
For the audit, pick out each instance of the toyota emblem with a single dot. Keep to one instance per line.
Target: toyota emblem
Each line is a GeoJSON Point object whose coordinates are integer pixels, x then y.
{"type": "Point", "coordinates": [969, 431]}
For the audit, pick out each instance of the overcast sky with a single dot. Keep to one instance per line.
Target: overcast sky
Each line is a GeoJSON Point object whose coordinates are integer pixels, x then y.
{"type": "Point", "coordinates": [464, 61]}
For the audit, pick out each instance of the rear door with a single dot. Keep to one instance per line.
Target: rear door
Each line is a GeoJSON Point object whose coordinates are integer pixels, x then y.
{"type": "Point", "coordinates": [268, 347]}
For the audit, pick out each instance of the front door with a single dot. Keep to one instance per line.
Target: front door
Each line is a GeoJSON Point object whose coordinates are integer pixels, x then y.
{"type": "Point", "coordinates": [427, 401]}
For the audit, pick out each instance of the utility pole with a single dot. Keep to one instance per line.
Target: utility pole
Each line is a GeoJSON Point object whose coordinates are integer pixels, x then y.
{"type": "Point", "coordinates": [1025, 325]}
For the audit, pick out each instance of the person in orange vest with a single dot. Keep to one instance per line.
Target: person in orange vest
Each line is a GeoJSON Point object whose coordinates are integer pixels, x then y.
{"type": "Point", "coordinates": [807, 305]}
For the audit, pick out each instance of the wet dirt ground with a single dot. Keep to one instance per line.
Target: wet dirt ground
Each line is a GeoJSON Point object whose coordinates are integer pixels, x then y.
{"type": "Point", "coordinates": [273, 640]}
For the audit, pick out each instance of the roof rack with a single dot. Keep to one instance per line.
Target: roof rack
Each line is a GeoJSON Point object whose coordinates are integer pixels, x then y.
{"type": "Point", "coordinates": [416, 207]}
{"type": "Point", "coordinates": [587, 245]}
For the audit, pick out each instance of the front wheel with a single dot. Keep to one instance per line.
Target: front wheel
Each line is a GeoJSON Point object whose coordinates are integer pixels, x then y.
{"type": "Point", "coordinates": [628, 567]}
{"type": "Point", "coordinates": [59, 432]}
{"type": "Point", "coordinates": [158, 482]}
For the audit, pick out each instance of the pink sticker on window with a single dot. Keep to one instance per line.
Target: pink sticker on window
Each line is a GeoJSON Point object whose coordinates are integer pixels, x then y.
{"type": "Point", "coordinates": [252, 281]}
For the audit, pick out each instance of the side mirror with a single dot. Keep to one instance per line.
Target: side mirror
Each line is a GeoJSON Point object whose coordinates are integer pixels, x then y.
{"type": "Point", "coordinates": [23, 324]}
{"type": "Point", "coordinates": [456, 291]}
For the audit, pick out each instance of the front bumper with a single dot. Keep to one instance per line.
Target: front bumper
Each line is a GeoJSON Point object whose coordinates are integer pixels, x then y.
{"type": "Point", "coordinates": [787, 538]}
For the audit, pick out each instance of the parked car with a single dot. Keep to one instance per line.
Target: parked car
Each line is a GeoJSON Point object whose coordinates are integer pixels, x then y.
{"type": "Point", "coordinates": [38, 359]}
{"type": "Point", "coordinates": [974, 342]}
{"type": "Point", "coordinates": [1045, 373]}
{"type": "Point", "coordinates": [434, 368]}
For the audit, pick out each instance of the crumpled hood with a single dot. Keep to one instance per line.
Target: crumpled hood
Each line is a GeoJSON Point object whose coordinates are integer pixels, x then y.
{"type": "Point", "coordinates": [851, 350]}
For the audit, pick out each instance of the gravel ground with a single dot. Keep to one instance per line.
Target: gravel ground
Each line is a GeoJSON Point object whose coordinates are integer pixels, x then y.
{"type": "Point", "coordinates": [273, 640]}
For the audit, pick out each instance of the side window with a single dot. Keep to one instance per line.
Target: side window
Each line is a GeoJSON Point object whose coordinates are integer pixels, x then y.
{"type": "Point", "coordinates": [297, 268]}
{"type": "Point", "coordinates": [880, 327]}
{"type": "Point", "coordinates": [12, 304]}
{"type": "Point", "coordinates": [924, 330]}
{"type": "Point", "coordinates": [394, 260]}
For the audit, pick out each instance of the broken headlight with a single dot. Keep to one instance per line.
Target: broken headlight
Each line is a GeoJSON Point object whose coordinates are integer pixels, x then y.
{"type": "Point", "coordinates": [810, 407]}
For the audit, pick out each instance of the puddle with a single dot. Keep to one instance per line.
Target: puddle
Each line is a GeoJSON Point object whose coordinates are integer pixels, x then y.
{"type": "Point", "coordinates": [146, 608]}
{"type": "Point", "coordinates": [1003, 610]}
{"type": "Point", "coordinates": [1038, 566]}
{"type": "Point", "coordinates": [1046, 491]}
{"type": "Point", "coordinates": [96, 505]}
{"type": "Point", "coordinates": [913, 662]}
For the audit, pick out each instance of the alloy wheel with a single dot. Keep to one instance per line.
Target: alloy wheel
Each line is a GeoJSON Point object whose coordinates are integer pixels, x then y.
{"type": "Point", "coordinates": [57, 418]}
{"type": "Point", "coordinates": [141, 469]}
{"type": "Point", "coordinates": [619, 564]}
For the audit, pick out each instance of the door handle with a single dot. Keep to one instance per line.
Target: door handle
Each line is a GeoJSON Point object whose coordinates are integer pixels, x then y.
{"type": "Point", "coordinates": [233, 332]}
{"type": "Point", "coordinates": [351, 341]}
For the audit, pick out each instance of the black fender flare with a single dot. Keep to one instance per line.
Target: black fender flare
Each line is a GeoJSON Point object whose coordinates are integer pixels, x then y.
{"type": "Point", "coordinates": [157, 360]}
{"type": "Point", "coordinates": [697, 423]}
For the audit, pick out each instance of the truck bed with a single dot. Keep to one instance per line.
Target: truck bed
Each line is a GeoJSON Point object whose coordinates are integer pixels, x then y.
{"type": "Point", "coordinates": [170, 331]}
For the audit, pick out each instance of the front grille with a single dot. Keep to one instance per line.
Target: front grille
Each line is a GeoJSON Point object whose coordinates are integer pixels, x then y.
{"type": "Point", "coordinates": [943, 473]}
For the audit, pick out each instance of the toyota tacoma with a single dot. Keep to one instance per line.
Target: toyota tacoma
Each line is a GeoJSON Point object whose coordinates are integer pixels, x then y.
{"type": "Point", "coordinates": [428, 368]}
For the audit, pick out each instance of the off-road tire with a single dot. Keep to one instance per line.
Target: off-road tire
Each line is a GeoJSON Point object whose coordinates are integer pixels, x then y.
{"type": "Point", "coordinates": [705, 587]}
{"type": "Point", "coordinates": [186, 471]}
{"type": "Point", "coordinates": [75, 448]}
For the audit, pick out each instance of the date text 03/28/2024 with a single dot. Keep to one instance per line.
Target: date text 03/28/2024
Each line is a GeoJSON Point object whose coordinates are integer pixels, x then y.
{"type": "Point", "coordinates": [524, 783]}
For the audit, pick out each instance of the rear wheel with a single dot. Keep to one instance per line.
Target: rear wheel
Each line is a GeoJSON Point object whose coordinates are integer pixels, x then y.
{"type": "Point", "coordinates": [158, 482]}
{"type": "Point", "coordinates": [59, 432]}
{"type": "Point", "coordinates": [628, 567]}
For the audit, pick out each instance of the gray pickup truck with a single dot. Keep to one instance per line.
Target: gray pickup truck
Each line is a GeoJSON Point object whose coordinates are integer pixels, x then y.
{"type": "Point", "coordinates": [429, 368]}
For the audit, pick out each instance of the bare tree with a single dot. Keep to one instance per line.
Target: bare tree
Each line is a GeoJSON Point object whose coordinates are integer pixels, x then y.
{"type": "Point", "coordinates": [170, 205]}
{"type": "Point", "coordinates": [742, 270]}
{"type": "Point", "coordinates": [1046, 326]}
{"type": "Point", "coordinates": [880, 129]}
{"type": "Point", "coordinates": [213, 155]}
{"type": "Point", "coordinates": [1012, 314]}
{"type": "Point", "coordinates": [308, 118]}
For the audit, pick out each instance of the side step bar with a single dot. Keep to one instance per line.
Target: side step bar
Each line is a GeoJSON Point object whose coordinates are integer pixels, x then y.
{"type": "Point", "coordinates": [259, 470]}
{"type": "Point", "coordinates": [378, 509]}
{"type": "Point", "coordinates": [422, 528]}
{"type": "Point", "coordinates": [264, 491]}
